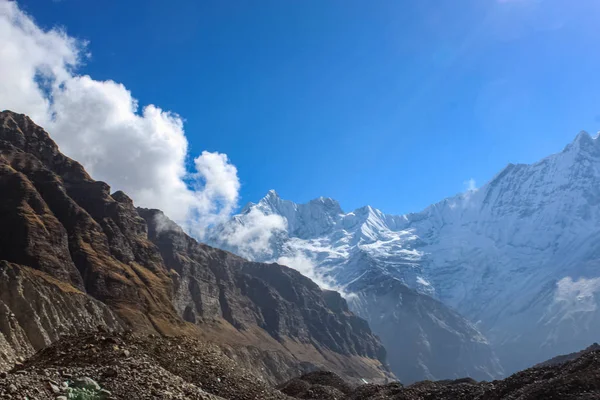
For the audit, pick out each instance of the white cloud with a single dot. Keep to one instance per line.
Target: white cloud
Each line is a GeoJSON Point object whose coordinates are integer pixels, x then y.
{"type": "Point", "coordinates": [307, 267]}
{"type": "Point", "coordinates": [140, 150]}
{"type": "Point", "coordinates": [299, 255]}
{"type": "Point", "coordinates": [219, 187]}
{"type": "Point", "coordinates": [29, 55]}
{"type": "Point", "coordinates": [252, 236]}
{"type": "Point", "coordinates": [470, 185]}
{"type": "Point", "coordinates": [577, 295]}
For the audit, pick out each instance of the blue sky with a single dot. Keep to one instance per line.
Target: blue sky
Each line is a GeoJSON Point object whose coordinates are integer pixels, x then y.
{"type": "Point", "coordinates": [389, 103]}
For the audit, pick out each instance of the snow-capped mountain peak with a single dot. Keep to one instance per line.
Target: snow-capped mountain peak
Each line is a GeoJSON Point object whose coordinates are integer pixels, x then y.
{"type": "Point", "coordinates": [520, 255]}
{"type": "Point", "coordinates": [583, 140]}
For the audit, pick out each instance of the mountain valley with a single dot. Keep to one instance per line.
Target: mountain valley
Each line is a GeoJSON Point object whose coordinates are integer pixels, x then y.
{"type": "Point", "coordinates": [100, 297]}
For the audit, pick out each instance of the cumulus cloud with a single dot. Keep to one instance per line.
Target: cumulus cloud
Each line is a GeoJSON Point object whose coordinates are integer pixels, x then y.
{"type": "Point", "coordinates": [251, 234]}
{"type": "Point", "coordinates": [31, 56]}
{"type": "Point", "coordinates": [306, 265]}
{"type": "Point", "coordinates": [140, 150]}
{"type": "Point", "coordinates": [216, 185]}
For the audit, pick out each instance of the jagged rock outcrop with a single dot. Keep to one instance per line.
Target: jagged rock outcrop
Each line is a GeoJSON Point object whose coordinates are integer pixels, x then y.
{"type": "Point", "coordinates": [58, 220]}
{"type": "Point", "coordinates": [74, 256]}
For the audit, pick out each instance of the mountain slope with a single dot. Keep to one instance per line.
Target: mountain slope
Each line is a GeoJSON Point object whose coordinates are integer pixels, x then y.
{"type": "Point", "coordinates": [424, 338]}
{"type": "Point", "coordinates": [366, 254]}
{"type": "Point", "coordinates": [73, 256]}
{"type": "Point", "coordinates": [519, 257]}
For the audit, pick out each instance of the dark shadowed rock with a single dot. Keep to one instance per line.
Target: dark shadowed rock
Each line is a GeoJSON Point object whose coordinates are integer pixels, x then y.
{"type": "Point", "coordinates": [578, 378]}
{"type": "Point", "coordinates": [568, 357]}
{"type": "Point", "coordinates": [423, 337]}
{"type": "Point", "coordinates": [317, 385]}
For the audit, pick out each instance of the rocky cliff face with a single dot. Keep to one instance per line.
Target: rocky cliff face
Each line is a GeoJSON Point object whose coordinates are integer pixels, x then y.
{"type": "Point", "coordinates": [59, 221]}
{"type": "Point", "coordinates": [37, 309]}
{"type": "Point", "coordinates": [212, 284]}
{"type": "Point", "coordinates": [74, 256]}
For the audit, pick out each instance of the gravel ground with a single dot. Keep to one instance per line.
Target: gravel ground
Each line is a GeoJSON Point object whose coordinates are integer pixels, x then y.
{"type": "Point", "coordinates": [134, 367]}
{"type": "Point", "coordinates": [125, 366]}
{"type": "Point", "coordinates": [574, 379]}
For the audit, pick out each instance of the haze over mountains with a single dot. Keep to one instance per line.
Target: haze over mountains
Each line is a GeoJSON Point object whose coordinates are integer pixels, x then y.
{"type": "Point", "coordinates": [508, 270]}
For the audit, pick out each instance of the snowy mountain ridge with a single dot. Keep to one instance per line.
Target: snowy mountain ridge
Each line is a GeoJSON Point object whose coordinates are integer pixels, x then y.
{"type": "Point", "coordinates": [319, 230]}
{"type": "Point", "coordinates": [518, 256]}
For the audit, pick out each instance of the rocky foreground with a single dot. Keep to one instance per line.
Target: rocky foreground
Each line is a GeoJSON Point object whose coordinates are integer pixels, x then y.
{"type": "Point", "coordinates": [105, 366]}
